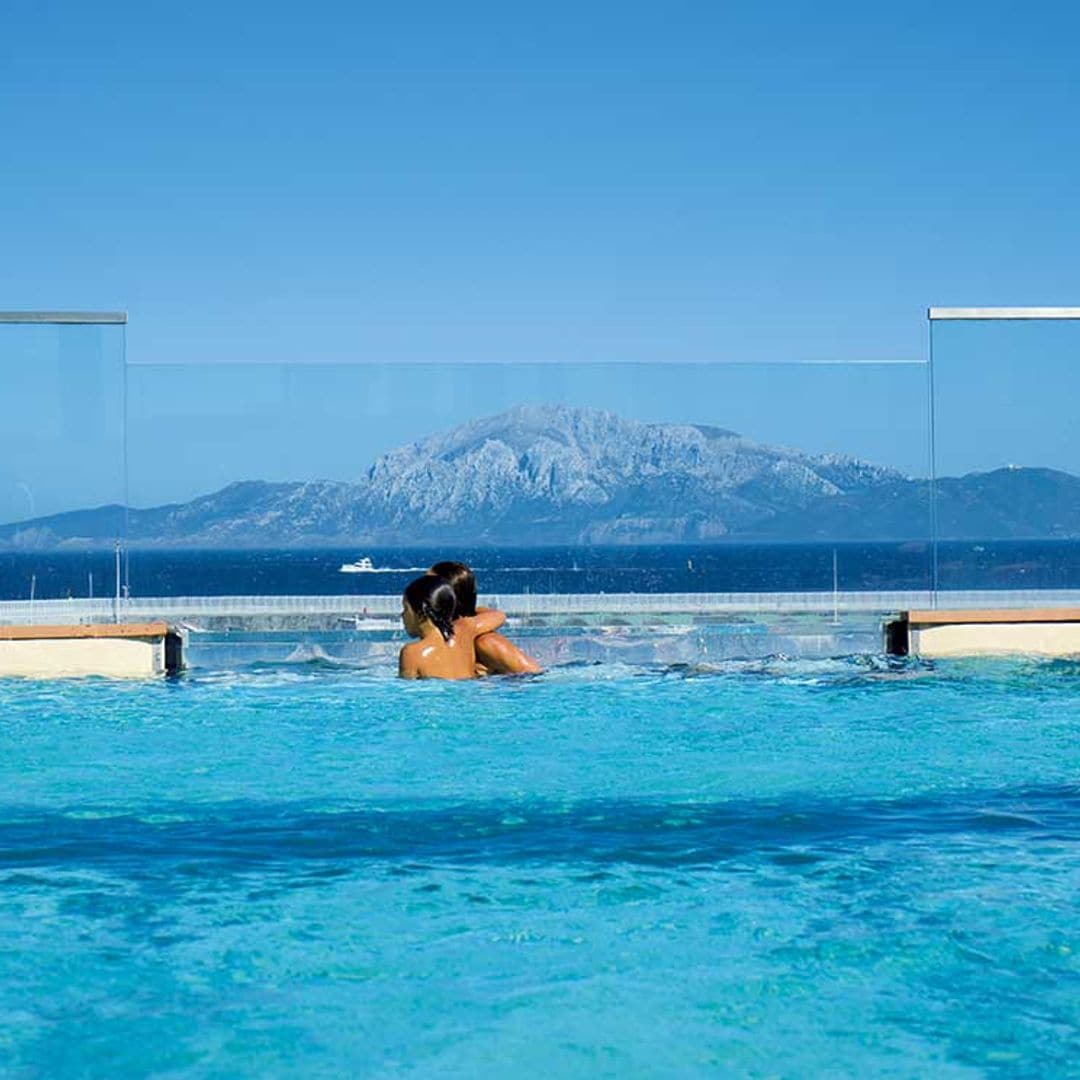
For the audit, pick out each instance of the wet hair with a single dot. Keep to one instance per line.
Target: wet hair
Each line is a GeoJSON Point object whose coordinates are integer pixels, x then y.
{"type": "Point", "coordinates": [463, 581]}
{"type": "Point", "coordinates": [433, 599]}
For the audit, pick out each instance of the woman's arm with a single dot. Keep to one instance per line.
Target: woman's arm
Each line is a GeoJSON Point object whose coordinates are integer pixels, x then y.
{"type": "Point", "coordinates": [502, 657]}
{"type": "Point", "coordinates": [483, 622]}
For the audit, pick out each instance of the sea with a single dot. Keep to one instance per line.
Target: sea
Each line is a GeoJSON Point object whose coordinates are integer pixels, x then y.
{"type": "Point", "coordinates": [1028, 564]}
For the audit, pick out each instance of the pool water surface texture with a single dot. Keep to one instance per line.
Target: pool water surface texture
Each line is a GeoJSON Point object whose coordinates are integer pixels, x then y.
{"type": "Point", "coordinates": [774, 869]}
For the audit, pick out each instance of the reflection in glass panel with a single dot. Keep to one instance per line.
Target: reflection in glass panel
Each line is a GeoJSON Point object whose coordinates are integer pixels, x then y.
{"type": "Point", "coordinates": [606, 478]}
{"type": "Point", "coordinates": [1007, 454]}
{"type": "Point", "coordinates": [62, 461]}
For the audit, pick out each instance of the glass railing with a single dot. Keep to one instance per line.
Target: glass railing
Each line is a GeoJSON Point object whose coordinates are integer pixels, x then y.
{"type": "Point", "coordinates": [569, 479]}
{"type": "Point", "coordinates": [1007, 454]}
{"type": "Point", "coordinates": [952, 481]}
{"type": "Point", "coordinates": [126, 480]}
{"type": "Point", "coordinates": [62, 458]}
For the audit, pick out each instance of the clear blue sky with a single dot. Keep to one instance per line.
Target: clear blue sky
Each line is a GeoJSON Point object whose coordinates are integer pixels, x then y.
{"type": "Point", "coordinates": [563, 183]}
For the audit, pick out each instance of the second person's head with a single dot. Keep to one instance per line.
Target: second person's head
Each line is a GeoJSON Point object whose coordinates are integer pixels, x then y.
{"type": "Point", "coordinates": [462, 580]}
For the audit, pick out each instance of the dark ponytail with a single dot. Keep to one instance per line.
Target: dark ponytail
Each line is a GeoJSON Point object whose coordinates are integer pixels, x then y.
{"type": "Point", "coordinates": [432, 599]}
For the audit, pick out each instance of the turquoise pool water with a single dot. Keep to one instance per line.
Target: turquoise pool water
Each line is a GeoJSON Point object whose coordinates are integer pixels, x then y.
{"type": "Point", "coordinates": [759, 869]}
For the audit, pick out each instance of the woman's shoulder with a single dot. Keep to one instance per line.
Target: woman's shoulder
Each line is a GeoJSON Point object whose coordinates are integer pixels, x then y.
{"type": "Point", "coordinates": [409, 659]}
{"type": "Point", "coordinates": [418, 649]}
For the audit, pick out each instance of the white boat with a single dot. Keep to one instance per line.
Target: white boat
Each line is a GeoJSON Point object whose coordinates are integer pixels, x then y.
{"type": "Point", "coordinates": [366, 566]}
{"type": "Point", "coordinates": [361, 566]}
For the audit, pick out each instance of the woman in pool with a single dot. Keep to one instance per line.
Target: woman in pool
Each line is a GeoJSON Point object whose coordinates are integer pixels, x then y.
{"type": "Point", "coordinates": [494, 654]}
{"type": "Point", "coordinates": [446, 649]}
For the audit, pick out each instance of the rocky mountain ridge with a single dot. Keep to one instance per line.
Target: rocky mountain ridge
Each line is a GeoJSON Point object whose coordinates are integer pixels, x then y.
{"type": "Point", "coordinates": [553, 474]}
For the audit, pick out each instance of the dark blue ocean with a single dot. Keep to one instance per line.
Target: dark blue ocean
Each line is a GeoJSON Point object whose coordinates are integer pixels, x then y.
{"type": "Point", "coordinates": [716, 568]}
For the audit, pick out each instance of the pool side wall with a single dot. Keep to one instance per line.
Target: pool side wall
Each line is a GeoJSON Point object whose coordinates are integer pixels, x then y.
{"type": "Point", "coordinates": [133, 651]}
{"type": "Point", "coordinates": [941, 634]}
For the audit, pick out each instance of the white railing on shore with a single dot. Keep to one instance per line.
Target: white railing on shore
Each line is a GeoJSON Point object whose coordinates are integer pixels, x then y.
{"type": "Point", "coordinates": [178, 608]}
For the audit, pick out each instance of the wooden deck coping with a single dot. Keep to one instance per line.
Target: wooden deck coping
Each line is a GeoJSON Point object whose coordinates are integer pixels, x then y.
{"type": "Point", "coordinates": [1007, 615]}
{"type": "Point", "coordinates": [99, 630]}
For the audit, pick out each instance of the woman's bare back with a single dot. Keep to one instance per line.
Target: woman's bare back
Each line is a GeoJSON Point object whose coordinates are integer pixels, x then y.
{"type": "Point", "coordinates": [434, 658]}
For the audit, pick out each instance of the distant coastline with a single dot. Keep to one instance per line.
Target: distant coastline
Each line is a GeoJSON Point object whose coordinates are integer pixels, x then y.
{"type": "Point", "coordinates": [550, 475]}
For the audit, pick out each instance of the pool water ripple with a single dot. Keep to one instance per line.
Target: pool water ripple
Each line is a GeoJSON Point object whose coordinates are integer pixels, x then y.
{"type": "Point", "coordinates": [773, 869]}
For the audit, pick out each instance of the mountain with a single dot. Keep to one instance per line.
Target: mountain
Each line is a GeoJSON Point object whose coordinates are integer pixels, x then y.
{"type": "Point", "coordinates": [552, 474]}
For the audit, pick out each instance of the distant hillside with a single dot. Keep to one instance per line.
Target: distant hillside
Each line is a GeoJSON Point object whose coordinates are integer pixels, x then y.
{"type": "Point", "coordinates": [1013, 503]}
{"type": "Point", "coordinates": [549, 474]}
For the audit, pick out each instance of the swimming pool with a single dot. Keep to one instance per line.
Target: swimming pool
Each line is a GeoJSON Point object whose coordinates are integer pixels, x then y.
{"type": "Point", "coordinates": [765, 868]}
